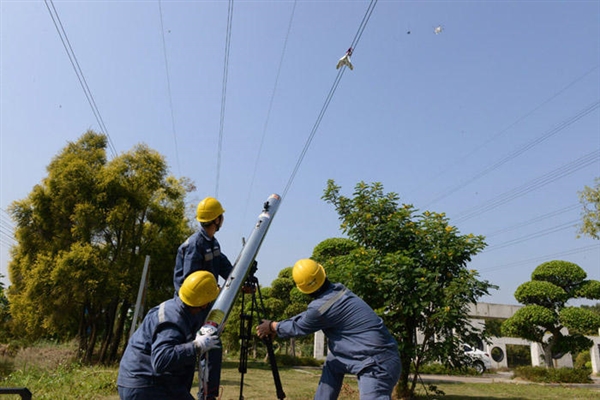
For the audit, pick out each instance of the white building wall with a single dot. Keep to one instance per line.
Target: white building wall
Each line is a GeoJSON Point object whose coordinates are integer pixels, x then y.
{"type": "Point", "coordinates": [595, 352]}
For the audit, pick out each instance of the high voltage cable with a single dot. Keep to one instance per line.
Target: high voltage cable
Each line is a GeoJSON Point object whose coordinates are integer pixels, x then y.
{"type": "Point", "coordinates": [543, 180]}
{"type": "Point", "coordinates": [338, 77]}
{"type": "Point", "coordinates": [534, 235]}
{"type": "Point", "coordinates": [4, 243]}
{"type": "Point", "coordinates": [73, 59]}
{"type": "Point", "coordinates": [363, 24]}
{"type": "Point", "coordinates": [314, 130]}
{"type": "Point", "coordinates": [224, 92]}
{"type": "Point", "coordinates": [543, 258]}
{"type": "Point", "coordinates": [7, 236]}
{"type": "Point", "coordinates": [560, 127]}
{"type": "Point", "coordinates": [6, 220]}
{"type": "Point", "coordinates": [517, 121]}
{"type": "Point", "coordinates": [162, 31]}
{"type": "Point", "coordinates": [6, 215]}
{"type": "Point", "coordinates": [270, 107]}
{"type": "Point", "coordinates": [6, 224]}
{"type": "Point", "coordinates": [533, 220]}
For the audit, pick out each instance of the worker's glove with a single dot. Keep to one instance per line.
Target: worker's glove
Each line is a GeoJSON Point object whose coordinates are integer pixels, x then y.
{"type": "Point", "coordinates": [206, 342]}
{"type": "Point", "coordinates": [264, 329]}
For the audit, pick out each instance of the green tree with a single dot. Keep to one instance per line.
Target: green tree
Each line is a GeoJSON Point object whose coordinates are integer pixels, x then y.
{"type": "Point", "coordinates": [595, 308]}
{"type": "Point", "coordinates": [545, 313]}
{"type": "Point", "coordinates": [412, 270]}
{"type": "Point", "coordinates": [83, 234]}
{"type": "Point", "coordinates": [590, 199]}
{"type": "Point", "coordinates": [4, 313]}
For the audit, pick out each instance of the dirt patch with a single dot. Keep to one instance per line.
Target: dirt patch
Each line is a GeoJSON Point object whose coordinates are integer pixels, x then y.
{"type": "Point", "coordinates": [46, 356]}
{"type": "Point", "coordinates": [8, 351]}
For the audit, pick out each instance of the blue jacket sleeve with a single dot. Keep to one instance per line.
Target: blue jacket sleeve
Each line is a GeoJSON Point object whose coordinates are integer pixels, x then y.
{"type": "Point", "coordinates": [305, 323]}
{"type": "Point", "coordinates": [225, 267]}
{"type": "Point", "coordinates": [170, 352]}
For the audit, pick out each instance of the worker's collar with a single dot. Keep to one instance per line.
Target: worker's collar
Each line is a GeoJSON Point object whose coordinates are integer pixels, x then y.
{"type": "Point", "coordinates": [205, 234]}
{"type": "Point", "coordinates": [324, 287]}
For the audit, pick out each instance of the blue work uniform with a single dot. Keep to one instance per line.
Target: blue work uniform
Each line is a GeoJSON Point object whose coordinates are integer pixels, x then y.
{"type": "Point", "coordinates": [358, 342]}
{"type": "Point", "coordinates": [160, 358]}
{"type": "Point", "coordinates": [201, 253]}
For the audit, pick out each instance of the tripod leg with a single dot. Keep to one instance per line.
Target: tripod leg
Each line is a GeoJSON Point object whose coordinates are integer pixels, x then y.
{"type": "Point", "coordinates": [278, 387]}
{"type": "Point", "coordinates": [270, 352]}
{"type": "Point", "coordinates": [245, 336]}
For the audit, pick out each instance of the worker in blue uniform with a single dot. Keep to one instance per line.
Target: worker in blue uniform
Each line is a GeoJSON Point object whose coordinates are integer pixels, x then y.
{"type": "Point", "coordinates": [161, 356]}
{"type": "Point", "coordinates": [357, 339]}
{"type": "Point", "coordinates": [202, 252]}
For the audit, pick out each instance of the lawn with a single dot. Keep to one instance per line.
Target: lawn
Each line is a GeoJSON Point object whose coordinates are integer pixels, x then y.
{"type": "Point", "coordinates": [64, 380]}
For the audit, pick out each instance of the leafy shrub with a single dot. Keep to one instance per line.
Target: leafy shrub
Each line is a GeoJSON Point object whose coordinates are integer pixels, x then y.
{"type": "Point", "coordinates": [553, 375]}
{"type": "Point", "coordinates": [583, 360]}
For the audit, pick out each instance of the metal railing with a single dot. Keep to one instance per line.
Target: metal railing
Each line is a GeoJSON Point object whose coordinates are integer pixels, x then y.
{"type": "Point", "coordinates": [23, 392]}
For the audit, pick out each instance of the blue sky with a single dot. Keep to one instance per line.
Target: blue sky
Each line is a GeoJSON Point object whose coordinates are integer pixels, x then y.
{"type": "Point", "coordinates": [494, 121]}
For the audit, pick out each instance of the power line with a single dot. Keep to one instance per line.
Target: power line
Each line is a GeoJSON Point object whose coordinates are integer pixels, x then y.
{"type": "Point", "coordinates": [516, 122]}
{"type": "Point", "coordinates": [77, 68]}
{"type": "Point", "coordinates": [7, 229]}
{"type": "Point", "coordinates": [537, 183]}
{"type": "Point", "coordinates": [535, 235]}
{"type": "Point", "coordinates": [7, 237]}
{"type": "Point", "coordinates": [336, 82]}
{"type": "Point", "coordinates": [162, 31]}
{"type": "Point", "coordinates": [224, 91]}
{"type": "Point", "coordinates": [560, 127]}
{"type": "Point", "coordinates": [270, 107]}
{"type": "Point", "coordinates": [543, 258]}
{"type": "Point", "coordinates": [533, 220]}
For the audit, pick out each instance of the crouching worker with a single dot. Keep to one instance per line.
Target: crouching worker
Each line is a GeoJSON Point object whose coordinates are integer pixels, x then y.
{"type": "Point", "coordinates": [358, 341]}
{"type": "Point", "coordinates": [161, 357]}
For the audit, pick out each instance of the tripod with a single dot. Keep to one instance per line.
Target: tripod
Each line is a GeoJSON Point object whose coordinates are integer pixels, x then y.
{"type": "Point", "coordinates": [250, 287]}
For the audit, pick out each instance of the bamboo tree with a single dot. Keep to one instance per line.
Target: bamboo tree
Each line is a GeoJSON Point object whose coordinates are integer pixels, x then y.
{"type": "Point", "coordinates": [83, 233]}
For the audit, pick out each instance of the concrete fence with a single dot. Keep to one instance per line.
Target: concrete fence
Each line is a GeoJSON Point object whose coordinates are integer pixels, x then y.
{"type": "Point", "coordinates": [497, 346]}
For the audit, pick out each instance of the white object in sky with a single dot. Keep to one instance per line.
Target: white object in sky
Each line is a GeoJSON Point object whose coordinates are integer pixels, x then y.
{"type": "Point", "coordinates": [345, 60]}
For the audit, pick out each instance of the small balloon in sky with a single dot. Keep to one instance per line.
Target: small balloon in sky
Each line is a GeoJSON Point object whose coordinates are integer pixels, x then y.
{"type": "Point", "coordinates": [438, 29]}
{"type": "Point", "coordinates": [345, 60]}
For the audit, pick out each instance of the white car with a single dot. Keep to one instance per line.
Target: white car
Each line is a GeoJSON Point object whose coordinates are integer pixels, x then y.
{"type": "Point", "coordinates": [481, 360]}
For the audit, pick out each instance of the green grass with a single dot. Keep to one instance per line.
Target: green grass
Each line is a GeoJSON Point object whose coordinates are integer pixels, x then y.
{"type": "Point", "coordinates": [510, 391]}
{"type": "Point", "coordinates": [54, 377]}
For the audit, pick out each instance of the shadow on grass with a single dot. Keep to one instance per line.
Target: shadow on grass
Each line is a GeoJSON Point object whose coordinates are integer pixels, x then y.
{"type": "Point", "coordinates": [6, 367]}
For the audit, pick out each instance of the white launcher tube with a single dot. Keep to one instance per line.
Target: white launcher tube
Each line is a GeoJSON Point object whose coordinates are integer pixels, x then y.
{"type": "Point", "coordinates": [217, 317]}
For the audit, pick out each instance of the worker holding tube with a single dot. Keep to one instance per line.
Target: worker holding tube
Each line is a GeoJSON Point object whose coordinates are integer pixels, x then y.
{"type": "Point", "coordinates": [160, 359]}
{"type": "Point", "coordinates": [357, 339]}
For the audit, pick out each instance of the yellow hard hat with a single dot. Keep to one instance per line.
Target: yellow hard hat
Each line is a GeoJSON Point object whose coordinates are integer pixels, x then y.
{"type": "Point", "coordinates": [208, 209]}
{"type": "Point", "coordinates": [199, 289]}
{"type": "Point", "coordinates": [308, 275]}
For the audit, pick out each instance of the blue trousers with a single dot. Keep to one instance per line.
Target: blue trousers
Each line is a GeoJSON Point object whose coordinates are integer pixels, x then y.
{"type": "Point", "coordinates": [154, 393]}
{"type": "Point", "coordinates": [375, 382]}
